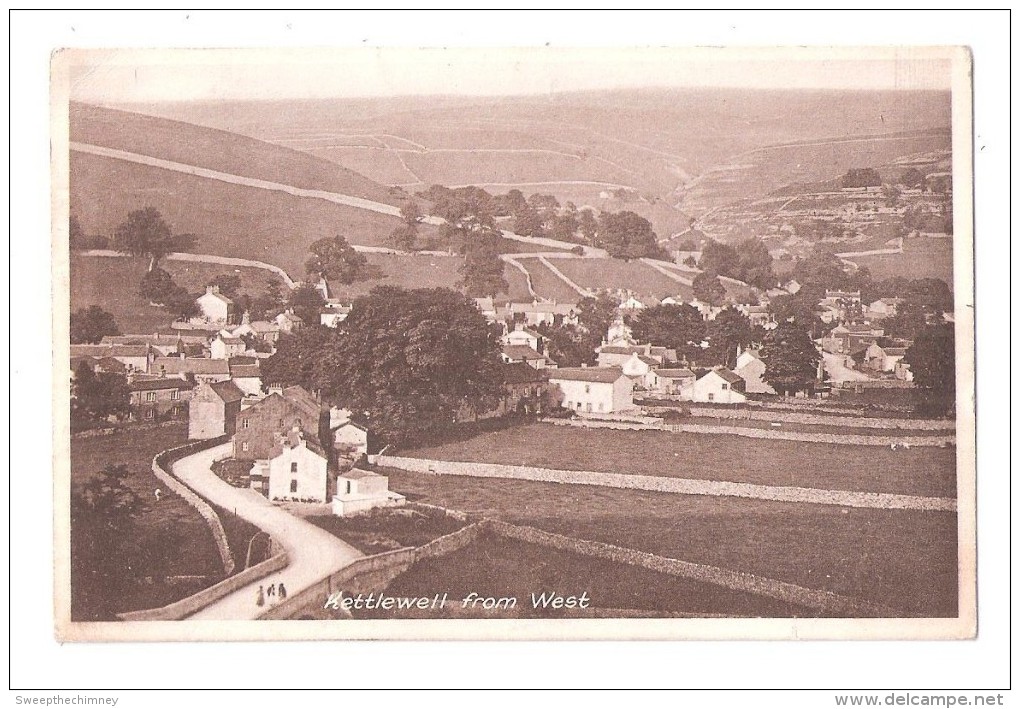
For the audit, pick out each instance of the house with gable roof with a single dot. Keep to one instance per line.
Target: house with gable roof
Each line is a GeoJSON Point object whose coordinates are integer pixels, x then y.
{"type": "Point", "coordinates": [717, 386]}
{"type": "Point", "coordinates": [215, 307]}
{"type": "Point", "coordinates": [592, 389]}
{"type": "Point", "coordinates": [213, 409]}
{"type": "Point", "coordinates": [259, 425]}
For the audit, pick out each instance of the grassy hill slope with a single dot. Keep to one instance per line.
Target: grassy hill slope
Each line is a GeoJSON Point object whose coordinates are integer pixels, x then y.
{"type": "Point", "coordinates": [217, 150]}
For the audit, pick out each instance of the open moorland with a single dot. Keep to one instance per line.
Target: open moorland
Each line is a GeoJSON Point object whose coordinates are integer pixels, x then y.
{"type": "Point", "coordinates": [917, 471]}
{"type": "Point", "coordinates": [903, 559]}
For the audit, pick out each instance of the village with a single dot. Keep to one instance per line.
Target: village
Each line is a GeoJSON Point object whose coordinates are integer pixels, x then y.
{"type": "Point", "coordinates": [291, 446]}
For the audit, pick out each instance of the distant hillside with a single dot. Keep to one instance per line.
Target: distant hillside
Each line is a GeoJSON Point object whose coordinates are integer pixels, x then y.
{"type": "Point", "coordinates": [218, 150]}
{"type": "Point", "coordinates": [666, 145]}
{"type": "Point", "coordinates": [227, 219]}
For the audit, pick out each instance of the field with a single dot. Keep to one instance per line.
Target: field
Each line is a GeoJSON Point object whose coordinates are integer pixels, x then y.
{"type": "Point", "coordinates": [613, 274]}
{"type": "Point", "coordinates": [227, 219]}
{"type": "Point", "coordinates": [112, 284]}
{"type": "Point", "coordinates": [385, 529]}
{"type": "Point", "coordinates": [546, 283]}
{"type": "Point", "coordinates": [217, 150]}
{"type": "Point", "coordinates": [903, 559]}
{"type": "Point", "coordinates": [922, 258]}
{"type": "Point", "coordinates": [170, 536]}
{"type": "Point", "coordinates": [495, 567]}
{"type": "Point", "coordinates": [918, 471]}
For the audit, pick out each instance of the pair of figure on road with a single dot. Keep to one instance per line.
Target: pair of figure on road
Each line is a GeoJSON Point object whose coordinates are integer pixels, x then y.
{"type": "Point", "coordinates": [274, 590]}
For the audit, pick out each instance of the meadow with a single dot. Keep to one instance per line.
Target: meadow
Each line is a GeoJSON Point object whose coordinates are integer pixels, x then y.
{"type": "Point", "coordinates": [903, 559]}
{"type": "Point", "coordinates": [917, 471]}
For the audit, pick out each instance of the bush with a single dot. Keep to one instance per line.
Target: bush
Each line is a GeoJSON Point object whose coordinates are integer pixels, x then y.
{"type": "Point", "coordinates": [677, 414]}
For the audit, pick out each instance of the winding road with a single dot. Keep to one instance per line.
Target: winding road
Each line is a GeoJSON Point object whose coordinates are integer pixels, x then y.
{"type": "Point", "coordinates": [313, 552]}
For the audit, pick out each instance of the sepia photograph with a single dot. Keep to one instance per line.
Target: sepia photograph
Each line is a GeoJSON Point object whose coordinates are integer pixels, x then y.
{"type": "Point", "coordinates": [347, 342]}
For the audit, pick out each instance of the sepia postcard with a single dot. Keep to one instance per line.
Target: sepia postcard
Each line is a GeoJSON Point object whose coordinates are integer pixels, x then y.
{"type": "Point", "coordinates": [671, 343]}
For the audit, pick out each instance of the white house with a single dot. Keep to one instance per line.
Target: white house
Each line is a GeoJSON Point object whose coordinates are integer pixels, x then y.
{"type": "Point", "coordinates": [524, 337]}
{"type": "Point", "coordinates": [358, 490]}
{"type": "Point", "coordinates": [296, 470]}
{"type": "Point", "coordinates": [215, 306]}
{"type": "Point", "coordinates": [226, 346]}
{"type": "Point", "coordinates": [751, 369]}
{"type": "Point", "coordinates": [637, 367]}
{"type": "Point", "coordinates": [334, 314]}
{"type": "Point", "coordinates": [719, 386]}
{"type": "Point", "coordinates": [593, 389]}
{"type": "Point", "coordinates": [669, 381]}
{"type": "Point", "coordinates": [350, 439]}
{"type": "Point", "coordinates": [619, 333]}
{"type": "Point", "coordinates": [247, 377]}
{"type": "Point", "coordinates": [288, 322]}
{"type": "Point", "coordinates": [884, 307]}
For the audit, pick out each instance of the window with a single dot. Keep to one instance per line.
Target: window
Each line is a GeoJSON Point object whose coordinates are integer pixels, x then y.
{"type": "Point", "coordinates": [711, 397]}
{"type": "Point", "coordinates": [175, 394]}
{"type": "Point", "coordinates": [244, 424]}
{"type": "Point", "coordinates": [725, 387]}
{"type": "Point", "coordinates": [150, 396]}
{"type": "Point", "coordinates": [587, 388]}
{"type": "Point", "coordinates": [149, 413]}
{"type": "Point", "coordinates": [293, 485]}
{"type": "Point", "coordinates": [244, 446]}
{"type": "Point", "coordinates": [293, 467]}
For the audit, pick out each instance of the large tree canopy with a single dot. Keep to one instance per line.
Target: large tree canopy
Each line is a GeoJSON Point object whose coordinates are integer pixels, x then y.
{"type": "Point", "coordinates": [95, 398]}
{"type": "Point", "coordinates": [410, 360]}
{"type": "Point", "coordinates": [708, 288]}
{"type": "Point", "coordinates": [482, 269]}
{"type": "Point", "coordinates": [145, 233]}
{"type": "Point", "coordinates": [678, 327]}
{"type": "Point", "coordinates": [336, 260]}
{"type": "Point", "coordinates": [790, 357]}
{"type": "Point", "coordinates": [91, 325]}
{"type": "Point", "coordinates": [729, 330]}
{"type": "Point", "coordinates": [932, 360]}
{"type": "Point", "coordinates": [627, 235]}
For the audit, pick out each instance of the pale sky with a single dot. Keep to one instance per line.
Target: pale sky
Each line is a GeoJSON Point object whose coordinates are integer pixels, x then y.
{"type": "Point", "coordinates": [185, 74]}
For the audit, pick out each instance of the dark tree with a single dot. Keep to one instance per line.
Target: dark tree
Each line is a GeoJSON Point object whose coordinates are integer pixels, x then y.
{"type": "Point", "coordinates": [678, 327]}
{"type": "Point", "coordinates": [709, 289]}
{"type": "Point", "coordinates": [569, 345]}
{"type": "Point", "coordinates": [596, 314]}
{"type": "Point", "coordinates": [482, 270]}
{"type": "Point", "coordinates": [588, 225]}
{"type": "Point", "coordinates": [754, 264]}
{"type": "Point", "coordinates": [932, 360]}
{"type": "Point", "coordinates": [96, 398]}
{"type": "Point", "coordinates": [268, 303]}
{"type": "Point", "coordinates": [822, 268]}
{"type": "Point", "coordinates": [145, 234]}
{"type": "Point", "coordinates": [411, 360]}
{"type": "Point", "coordinates": [564, 227]}
{"type": "Point", "coordinates": [297, 359]}
{"type": "Point", "coordinates": [182, 304]}
{"type": "Point", "coordinates": [228, 283]}
{"type": "Point", "coordinates": [790, 357]}
{"type": "Point", "coordinates": [404, 237]}
{"type": "Point", "coordinates": [102, 513]}
{"type": "Point", "coordinates": [528, 222]}
{"type": "Point", "coordinates": [627, 235]}
{"type": "Point", "coordinates": [411, 213]}
{"type": "Point", "coordinates": [912, 177]}
{"type": "Point", "coordinates": [719, 258]}
{"type": "Point", "coordinates": [306, 301]}
{"type": "Point", "coordinates": [91, 325]}
{"type": "Point", "coordinates": [157, 286]}
{"type": "Point", "coordinates": [729, 330]}
{"type": "Point", "coordinates": [336, 260]}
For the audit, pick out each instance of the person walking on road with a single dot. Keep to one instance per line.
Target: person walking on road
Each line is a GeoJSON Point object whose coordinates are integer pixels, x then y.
{"type": "Point", "coordinates": [283, 591]}
{"type": "Point", "coordinates": [260, 599]}
{"type": "Point", "coordinates": [272, 590]}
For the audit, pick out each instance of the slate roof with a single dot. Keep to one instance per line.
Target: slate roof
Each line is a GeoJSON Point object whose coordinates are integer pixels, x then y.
{"type": "Point", "coordinates": [604, 375]}
{"type": "Point", "coordinates": [675, 373]}
{"type": "Point", "coordinates": [521, 373]}
{"type": "Point", "coordinates": [521, 352]}
{"type": "Point", "coordinates": [194, 365]}
{"type": "Point", "coordinates": [159, 384]}
{"type": "Point", "coordinates": [731, 377]}
{"type": "Point", "coordinates": [227, 391]}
